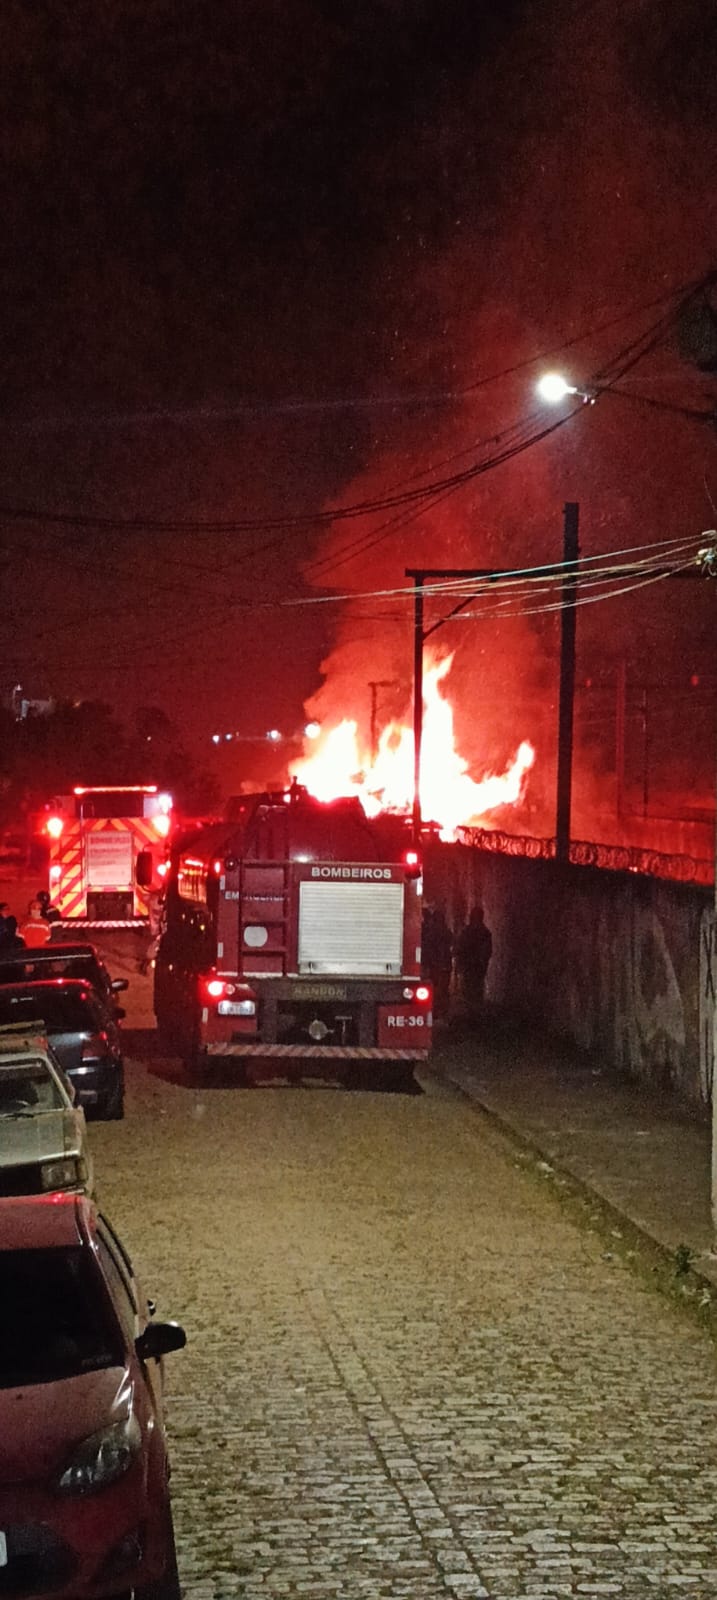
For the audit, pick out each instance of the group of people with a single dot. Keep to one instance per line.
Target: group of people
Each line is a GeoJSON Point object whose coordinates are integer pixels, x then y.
{"type": "Point", "coordinates": [470, 953]}
{"type": "Point", "coordinates": [34, 931]}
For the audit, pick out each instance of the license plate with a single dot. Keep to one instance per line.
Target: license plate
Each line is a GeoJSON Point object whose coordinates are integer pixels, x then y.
{"type": "Point", "coordinates": [230, 1008]}
{"type": "Point", "coordinates": [3, 1550]}
{"type": "Point", "coordinates": [319, 991]}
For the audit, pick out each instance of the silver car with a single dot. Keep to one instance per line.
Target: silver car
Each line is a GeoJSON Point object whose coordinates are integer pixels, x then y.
{"type": "Point", "coordinates": [43, 1137]}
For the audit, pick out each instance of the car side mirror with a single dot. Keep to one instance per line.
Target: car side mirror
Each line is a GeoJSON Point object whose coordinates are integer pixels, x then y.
{"type": "Point", "coordinates": [118, 984]}
{"type": "Point", "coordinates": [119, 1013]}
{"type": "Point", "coordinates": [158, 1339]}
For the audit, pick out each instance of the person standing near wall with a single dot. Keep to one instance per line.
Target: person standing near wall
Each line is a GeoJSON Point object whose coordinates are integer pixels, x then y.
{"type": "Point", "coordinates": [474, 949]}
{"type": "Point", "coordinates": [437, 956]}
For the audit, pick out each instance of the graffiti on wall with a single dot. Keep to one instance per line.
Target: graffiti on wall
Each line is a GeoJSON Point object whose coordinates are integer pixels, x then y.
{"type": "Point", "coordinates": [649, 1011]}
{"type": "Point", "coordinates": [708, 984]}
{"type": "Point", "coordinates": [620, 986]}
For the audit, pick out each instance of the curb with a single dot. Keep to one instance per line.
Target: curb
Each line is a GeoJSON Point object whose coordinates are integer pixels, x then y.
{"type": "Point", "coordinates": [671, 1272]}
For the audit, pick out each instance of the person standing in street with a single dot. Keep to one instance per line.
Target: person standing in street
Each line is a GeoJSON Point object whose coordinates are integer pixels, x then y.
{"type": "Point", "coordinates": [9, 937]}
{"type": "Point", "coordinates": [35, 931]}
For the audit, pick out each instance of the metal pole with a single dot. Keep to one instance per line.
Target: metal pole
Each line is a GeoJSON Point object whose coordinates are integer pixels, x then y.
{"type": "Point", "coordinates": [645, 751]}
{"type": "Point", "coordinates": [620, 708]}
{"type": "Point", "coordinates": [713, 1086]}
{"type": "Point", "coordinates": [566, 706]}
{"type": "Point", "coordinates": [418, 638]}
{"type": "Point", "coordinates": [373, 733]}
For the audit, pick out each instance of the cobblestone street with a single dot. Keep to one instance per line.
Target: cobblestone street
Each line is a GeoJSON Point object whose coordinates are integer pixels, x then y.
{"type": "Point", "coordinates": [409, 1373]}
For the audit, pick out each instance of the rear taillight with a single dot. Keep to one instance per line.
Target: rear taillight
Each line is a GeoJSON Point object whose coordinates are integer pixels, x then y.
{"type": "Point", "coordinates": [214, 988]}
{"type": "Point", "coordinates": [95, 1047]}
{"type": "Point", "coordinates": [240, 1002]}
{"type": "Point", "coordinates": [423, 993]}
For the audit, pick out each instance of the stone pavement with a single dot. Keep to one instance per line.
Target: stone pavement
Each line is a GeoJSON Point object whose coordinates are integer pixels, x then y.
{"type": "Point", "coordinates": [646, 1153]}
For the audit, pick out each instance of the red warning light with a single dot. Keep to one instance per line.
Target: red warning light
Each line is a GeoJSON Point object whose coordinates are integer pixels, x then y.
{"type": "Point", "coordinates": [54, 827]}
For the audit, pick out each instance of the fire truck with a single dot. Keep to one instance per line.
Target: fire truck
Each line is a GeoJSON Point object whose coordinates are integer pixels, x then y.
{"type": "Point", "coordinates": [108, 849]}
{"type": "Point", "coordinates": [293, 935]}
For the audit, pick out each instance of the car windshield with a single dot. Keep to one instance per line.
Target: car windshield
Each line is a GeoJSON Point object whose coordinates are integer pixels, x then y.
{"type": "Point", "coordinates": [49, 966]}
{"type": "Point", "coordinates": [61, 1010]}
{"type": "Point", "coordinates": [56, 1322]}
{"type": "Point", "coordinates": [28, 1086]}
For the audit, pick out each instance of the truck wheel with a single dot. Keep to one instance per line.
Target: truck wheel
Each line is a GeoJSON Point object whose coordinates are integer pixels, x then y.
{"type": "Point", "coordinates": [165, 1035]}
{"type": "Point", "coordinates": [402, 1081]}
{"type": "Point", "coordinates": [195, 1059]}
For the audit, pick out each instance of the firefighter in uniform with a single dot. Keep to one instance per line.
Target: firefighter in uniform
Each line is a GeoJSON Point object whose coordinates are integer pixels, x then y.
{"type": "Point", "coordinates": [35, 931]}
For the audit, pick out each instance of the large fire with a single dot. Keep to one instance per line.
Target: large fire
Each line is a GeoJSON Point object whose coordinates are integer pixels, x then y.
{"type": "Point", "coordinates": [341, 765]}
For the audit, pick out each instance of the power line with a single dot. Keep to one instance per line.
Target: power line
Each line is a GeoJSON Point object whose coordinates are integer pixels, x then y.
{"type": "Point", "coordinates": [524, 579]}
{"type": "Point", "coordinates": [609, 375]}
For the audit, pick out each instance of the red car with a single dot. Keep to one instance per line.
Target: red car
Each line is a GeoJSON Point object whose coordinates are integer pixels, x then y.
{"type": "Point", "coordinates": [84, 1475]}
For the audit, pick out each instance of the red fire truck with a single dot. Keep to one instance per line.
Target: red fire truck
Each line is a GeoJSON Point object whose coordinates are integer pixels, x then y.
{"type": "Point", "coordinates": [108, 848]}
{"type": "Point", "coordinates": [293, 931]}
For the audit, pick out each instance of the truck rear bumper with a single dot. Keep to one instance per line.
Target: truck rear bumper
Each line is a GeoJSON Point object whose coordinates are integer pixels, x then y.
{"type": "Point", "coordinates": [314, 1052]}
{"type": "Point", "coordinates": [91, 922]}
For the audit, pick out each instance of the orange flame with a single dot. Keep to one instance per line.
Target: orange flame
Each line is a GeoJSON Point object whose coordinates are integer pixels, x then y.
{"type": "Point", "coordinates": [338, 765]}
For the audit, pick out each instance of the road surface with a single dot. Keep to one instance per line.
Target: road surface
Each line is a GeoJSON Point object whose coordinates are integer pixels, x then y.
{"type": "Point", "coordinates": [409, 1373]}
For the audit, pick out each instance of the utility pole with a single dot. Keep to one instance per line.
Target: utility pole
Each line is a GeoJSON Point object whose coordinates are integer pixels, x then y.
{"type": "Point", "coordinates": [374, 686]}
{"type": "Point", "coordinates": [418, 641]}
{"type": "Point", "coordinates": [566, 707]}
{"type": "Point", "coordinates": [620, 709]}
{"type": "Point", "coordinates": [713, 1166]}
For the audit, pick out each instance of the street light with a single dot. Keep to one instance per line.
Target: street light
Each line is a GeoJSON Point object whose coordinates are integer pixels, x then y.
{"type": "Point", "coordinates": [553, 387]}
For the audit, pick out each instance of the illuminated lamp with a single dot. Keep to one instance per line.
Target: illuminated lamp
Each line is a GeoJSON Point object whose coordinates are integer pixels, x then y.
{"type": "Point", "coordinates": [164, 803]}
{"type": "Point", "coordinates": [162, 824]}
{"type": "Point", "coordinates": [162, 869]}
{"type": "Point", "coordinates": [215, 987]}
{"type": "Point", "coordinates": [312, 730]}
{"type": "Point", "coordinates": [55, 872]}
{"type": "Point", "coordinates": [54, 826]}
{"type": "Point", "coordinates": [217, 867]}
{"type": "Point", "coordinates": [412, 863]}
{"type": "Point", "coordinates": [553, 387]}
{"type": "Point", "coordinates": [423, 993]}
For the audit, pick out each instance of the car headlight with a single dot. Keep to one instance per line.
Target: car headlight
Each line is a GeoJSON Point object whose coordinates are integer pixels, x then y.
{"type": "Point", "coordinates": [64, 1174]}
{"type": "Point", "coordinates": [101, 1458]}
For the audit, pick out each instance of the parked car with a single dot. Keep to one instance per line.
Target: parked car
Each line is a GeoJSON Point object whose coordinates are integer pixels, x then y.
{"type": "Point", "coordinates": [61, 959]}
{"type": "Point", "coordinates": [83, 1033]}
{"type": "Point", "coordinates": [43, 1136]}
{"type": "Point", "coordinates": [84, 1474]}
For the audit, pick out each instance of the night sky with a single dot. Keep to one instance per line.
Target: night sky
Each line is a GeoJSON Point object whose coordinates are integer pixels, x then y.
{"type": "Point", "coordinates": [261, 258]}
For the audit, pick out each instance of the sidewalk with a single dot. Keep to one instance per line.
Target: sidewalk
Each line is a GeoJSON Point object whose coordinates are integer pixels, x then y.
{"type": "Point", "coordinates": [647, 1154]}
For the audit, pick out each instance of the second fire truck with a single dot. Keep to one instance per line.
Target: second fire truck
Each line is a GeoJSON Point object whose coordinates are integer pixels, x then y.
{"type": "Point", "coordinates": [108, 848]}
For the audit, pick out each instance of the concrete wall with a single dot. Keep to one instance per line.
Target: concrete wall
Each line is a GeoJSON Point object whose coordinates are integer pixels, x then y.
{"type": "Point", "coordinates": [612, 963]}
